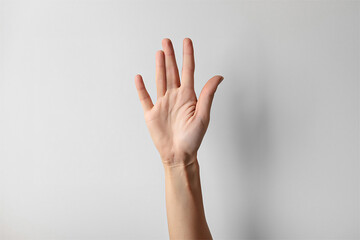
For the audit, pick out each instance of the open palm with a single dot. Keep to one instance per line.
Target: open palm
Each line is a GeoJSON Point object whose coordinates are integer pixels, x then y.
{"type": "Point", "coordinates": [178, 121]}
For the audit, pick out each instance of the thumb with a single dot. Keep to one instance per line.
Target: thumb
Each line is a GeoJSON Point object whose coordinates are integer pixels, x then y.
{"type": "Point", "coordinates": [206, 97]}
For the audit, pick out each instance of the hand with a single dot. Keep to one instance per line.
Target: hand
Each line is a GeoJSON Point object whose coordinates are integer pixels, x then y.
{"type": "Point", "coordinates": [178, 121]}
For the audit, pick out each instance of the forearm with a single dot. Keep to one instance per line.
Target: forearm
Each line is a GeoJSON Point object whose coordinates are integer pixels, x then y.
{"type": "Point", "coordinates": [184, 204]}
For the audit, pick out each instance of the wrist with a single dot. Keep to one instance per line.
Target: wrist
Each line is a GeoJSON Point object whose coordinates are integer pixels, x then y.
{"type": "Point", "coordinates": [178, 160]}
{"type": "Point", "coordinates": [183, 179]}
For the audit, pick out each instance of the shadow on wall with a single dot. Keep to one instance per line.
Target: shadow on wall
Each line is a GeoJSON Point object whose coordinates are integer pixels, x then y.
{"type": "Point", "coordinates": [250, 119]}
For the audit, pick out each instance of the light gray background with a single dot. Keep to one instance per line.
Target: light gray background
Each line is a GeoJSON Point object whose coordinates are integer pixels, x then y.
{"type": "Point", "coordinates": [280, 159]}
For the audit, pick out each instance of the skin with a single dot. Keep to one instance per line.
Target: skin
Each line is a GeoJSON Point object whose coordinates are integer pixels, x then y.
{"type": "Point", "coordinates": [177, 124]}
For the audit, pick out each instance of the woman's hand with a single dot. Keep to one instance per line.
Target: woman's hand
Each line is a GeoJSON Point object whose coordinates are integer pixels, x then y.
{"type": "Point", "coordinates": [178, 121]}
{"type": "Point", "coordinates": [177, 124]}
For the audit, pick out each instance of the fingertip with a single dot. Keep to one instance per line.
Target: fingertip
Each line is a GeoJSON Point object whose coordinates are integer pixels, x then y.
{"type": "Point", "coordinates": [218, 78]}
{"type": "Point", "coordinates": [159, 52]}
{"type": "Point", "coordinates": [166, 42]}
{"type": "Point", "coordinates": [221, 79]}
{"type": "Point", "coordinates": [188, 46]}
{"type": "Point", "coordinates": [187, 41]}
{"type": "Point", "coordinates": [160, 58]}
{"type": "Point", "coordinates": [138, 81]}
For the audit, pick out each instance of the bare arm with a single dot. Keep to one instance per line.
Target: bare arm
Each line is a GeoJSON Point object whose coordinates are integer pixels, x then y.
{"type": "Point", "coordinates": [177, 124]}
{"type": "Point", "coordinates": [184, 204]}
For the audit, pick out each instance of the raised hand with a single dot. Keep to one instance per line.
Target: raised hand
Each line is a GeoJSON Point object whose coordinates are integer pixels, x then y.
{"type": "Point", "coordinates": [178, 121]}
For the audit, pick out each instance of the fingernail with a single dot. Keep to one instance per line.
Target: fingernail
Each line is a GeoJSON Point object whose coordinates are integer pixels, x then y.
{"type": "Point", "coordinates": [221, 79]}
